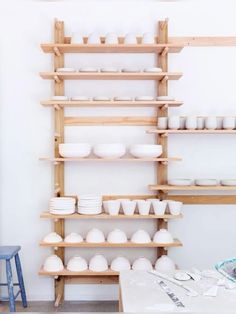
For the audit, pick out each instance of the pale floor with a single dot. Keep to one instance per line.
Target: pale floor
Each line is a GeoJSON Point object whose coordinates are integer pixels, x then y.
{"type": "Point", "coordinates": [67, 306]}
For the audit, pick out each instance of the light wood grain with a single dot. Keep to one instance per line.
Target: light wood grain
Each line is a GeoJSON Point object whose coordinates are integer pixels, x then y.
{"type": "Point", "coordinates": [204, 41]}
{"type": "Point", "coordinates": [204, 199]}
{"type": "Point", "coordinates": [191, 188]}
{"type": "Point", "coordinates": [66, 272]}
{"type": "Point", "coordinates": [192, 131]}
{"type": "Point", "coordinates": [123, 159]}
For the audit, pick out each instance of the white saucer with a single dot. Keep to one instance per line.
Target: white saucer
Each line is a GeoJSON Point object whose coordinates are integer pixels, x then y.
{"type": "Point", "coordinates": [80, 98]}
{"type": "Point", "coordinates": [144, 98]}
{"type": "Point", "coordinates": [66, 70]}
{"type": "Point", "coordinates": [167, 98]}
{"type": "Point", "coordinates": [153, 70]}
{"type": "Point", "coordinates": [88, 69]}
{"type": "Point", "coordinates": [102, 98]}
{"type": "Point", "coordinates": [59, 98]}
{"type": "Point", "coordinates": [123, 98]}
{"type": "Point", "coordinates": [109, 70]}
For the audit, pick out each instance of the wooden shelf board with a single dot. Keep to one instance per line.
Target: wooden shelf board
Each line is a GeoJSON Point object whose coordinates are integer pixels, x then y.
{"type": "Point", "coordinates": [192, 131]}
{"type": "Point", "coordinates": [128, 244]}
{"type": "Point", "coordinates": [66, 272]}
{"type": "Point", "coordinates": [191, 188]}
{"type": "Point", "coordinates": [48, 215]}
{"type": "Point", "coordinates": [116, 48]}
{"type": "Point", "coordinates": [112, 103]}
{"type": "Point", "coordinates": [94, 159]}
{"type": "Point", "coordinates": [111, 76]}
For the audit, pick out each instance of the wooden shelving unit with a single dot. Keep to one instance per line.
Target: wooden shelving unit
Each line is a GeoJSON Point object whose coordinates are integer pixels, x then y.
{"type": "Point", "coordinates": [61, 46]}
{"type": "Point", "coordinates": [191, 188]}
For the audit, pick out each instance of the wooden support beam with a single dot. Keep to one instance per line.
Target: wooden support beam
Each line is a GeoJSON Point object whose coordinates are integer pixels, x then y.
{"type": "Point", "coordinates": [204, 41]}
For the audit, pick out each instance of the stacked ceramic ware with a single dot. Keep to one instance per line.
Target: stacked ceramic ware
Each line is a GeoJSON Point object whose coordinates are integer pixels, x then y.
{"type": "Point", "coordinates": [62, 205]}
{"type": "Point", "coordinates": [89, 204]}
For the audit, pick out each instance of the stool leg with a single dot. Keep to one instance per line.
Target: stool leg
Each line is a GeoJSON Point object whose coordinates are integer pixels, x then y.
{"type": "Point", "coordinates": [10, 286]}
{"type": "Point", "coordinates": [20, 280]}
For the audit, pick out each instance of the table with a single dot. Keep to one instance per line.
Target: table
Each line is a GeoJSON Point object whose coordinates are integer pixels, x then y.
{"type": "Point", "coordinates": [140, 292]}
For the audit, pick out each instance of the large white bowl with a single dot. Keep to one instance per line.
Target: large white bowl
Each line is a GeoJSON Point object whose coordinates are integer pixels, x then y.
{"type": "Point", "coordinates": [141, 236]}
{"type": "Point", "coordinates": [228, 182]}
{"type": "Point", "coordinates": [128, 207]}
{"type": "Point", "coordinates": [71, 150]}
{"type": "Point", "coordinates": [165, 265]}
{"type": "Point", "coordinates": [53, 263]}
{"type": "Point", "coordinates": [163, 236]}
{"type": "Point", "coordinates": [95, 236]}
{"type": "Point", "coordinates": [142, 263]}
{"type": "Point", "coordinates": [117, 236]}
{"type": "Point", "coordinates": [146, 150]}
{"type": "Point", "coordinates": [120, 263]}
{"type": "Point", "coordinates": [73, 237]}
{"type": "Point", "coordinates": [53, 237]}
{"type": "Point", "coordinates": [113, 150]}
{"type": "Point", "coordinates": [98, 263]}
{"type": "Point", "coordinates": [77, 263]}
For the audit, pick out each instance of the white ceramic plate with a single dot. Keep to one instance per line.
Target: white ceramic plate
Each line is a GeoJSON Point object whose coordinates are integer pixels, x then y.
{"type": "Point", "coordinates": [130, 70]}
{"type": "Point", "coordinates": [144, 98]}
{"type": "Point", "coordinates": [66, 70]}
{"type": "Point", "coordinates": [62, 212]}
{"type": "Point", "coordinates": [228, 182]}
{"type": "Point", "coordinates": [165, 98]}
{"type": "Point", "coordinates": [153, 70]}
{"type": "Point", "coordinates": [80, 98]}
{"type": "Point", "coordinates": [206, 182]}
{"type": "Point", "coordinates": [59, 98]}
{"type": "Point", "coordinates": [123, 98]}
{"type": "Point", "coordinates": [88, 69]}
{"type": "Point", "coordinates": [101, 98]}
{"type": "Point", "coordinates": [179, 182]}
{"type": "Point", "coordinates": [109, 70]}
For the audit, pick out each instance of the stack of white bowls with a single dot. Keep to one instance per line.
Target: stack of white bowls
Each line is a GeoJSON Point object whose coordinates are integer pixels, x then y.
{"type": "Point", "coordinates": [89, 204]}
{"type": "Point", "coordinates": [75, 150]}
{"type": "Point", "coordinates": [62, 205]}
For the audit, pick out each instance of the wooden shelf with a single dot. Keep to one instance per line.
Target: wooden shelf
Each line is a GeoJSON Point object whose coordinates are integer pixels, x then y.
{"type": "Point", "coordinates": [128, 244]}
{"type": "Point", "coordinates": [94, 159]}
{"type": "Point", "coordinates": [191, 188]}
{"type": "Point", "coordinates": [58, 76]}
{"type": "Point", "coordinates": [192, 131]}
{"type": "Point", "coordinates": [112, 103]}
{"type": "Point", "coordinates": [105, 48]}
{"type": "Point", "coordinates": [66, 272]}
{"type": "Point", "coordinates": [48, 215]}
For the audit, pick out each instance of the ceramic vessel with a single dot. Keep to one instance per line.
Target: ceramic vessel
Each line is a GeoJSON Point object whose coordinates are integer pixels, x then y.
{"type": "Point", "coordinates": [130, 38]}
{"type": "Point", "coordinates": [111, 39]}
{"type": "Point", "coordinates": [145, 150]}
{"type": "Point", "coordinates": [191, 123]}
{"type": "Point", "coordinates": [52, 237]}
{"type": "Point", "coordinates": [228, 182]}
{"type": "Point", "coordinates": [73, 237]}
{"type": "Point", "coordinates": [175, 207]}
{"type": "Point", "coordinates": [128, 207]}
{"type": "Point", "coordinates": [95, 236]}
{"type": "Point", "coordinates": [53, 263]}
{"type": "Point", "coordinates": [159, 207]}
{"type": "Point", "coordinates": [113, 207]}
{"type": "Point", "coordinates": [94, 39]}
{"type": "Point", "coordinates": [163, 236]}
{"type": "Point", "coordinates": [164, 264]}
{"type": "Point", "coordinates": [174, 123]}
{"type": "Point", "coordinates": [113, 150]}
{"type": "Point", "coordinates": [229, 123]}
{"type": "Point", "coordinates": [180, 182]}
{"type": "Point", "coordinates": [162, 123]}
{"type": "Point", "coordinates": [141, 236]}
{"type": "Point", "coordinates": [143, 207]}
{"type": "Point", "coordinates": [200, 123]}
{"type": "Point", "coordinates": [98, 263]}
{"type": "Point", "coordinates": [206, 182]}
{"type": "Point", "coordinates": [148, 39]}
{"type": "Point", "coordinates": [211, 123]}
{"type": "Point", "coordinates": [143, 264]}
{"type": "Point", "coordinates": [120, 263]}
{"type": "Point", "coordinates": [117, 236]}
{"type": "Point", "coordinates": [77, 264]}
{"type": "Point", "coordinates": [79, 150]}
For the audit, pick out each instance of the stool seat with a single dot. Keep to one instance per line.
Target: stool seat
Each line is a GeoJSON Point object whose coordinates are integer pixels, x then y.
{"type": "Point", "coordinates": [8, 252]}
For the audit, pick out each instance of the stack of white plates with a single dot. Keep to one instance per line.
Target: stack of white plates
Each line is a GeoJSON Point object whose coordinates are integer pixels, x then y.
{"type": "Point", "coordinates": [62, 205]}
{"type": "Point", "coordinates": [89, 204]}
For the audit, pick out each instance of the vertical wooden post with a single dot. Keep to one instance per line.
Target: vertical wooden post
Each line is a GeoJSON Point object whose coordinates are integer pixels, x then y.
{"type": "Point", "coordinates": [59, 138]}
{"type": "Point", "coordinates": [162, 90]}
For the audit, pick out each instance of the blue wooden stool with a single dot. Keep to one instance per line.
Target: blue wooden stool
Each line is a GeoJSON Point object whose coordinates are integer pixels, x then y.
{"type": "Point", "coordinates": [7, 253]}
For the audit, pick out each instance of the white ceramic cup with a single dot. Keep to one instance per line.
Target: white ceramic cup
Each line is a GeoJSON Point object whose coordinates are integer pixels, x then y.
{"type": "Point", "coordinates": [200, 123]}
{"type": "Point", "coordinates": [143, 207]}
{"type": "Point", "coordinates": [174, 122]}
{"type": "Point", "coordinates": [111, 39]}
{"type": "Point", "coordinates": [191, 123]}
{"type": "Point", "coordinates": [211, 123]}
{"type": "Point", "coordinates": [175, 207]}
{"type": "Point", "coordinates": [159, 207]}
{"type": "Point", "coordinates": [130, 38]}
{"type": "Point", "coordinates": [128, 207]}
{"type": "Point", "coordinates": [148, 38]}
{"type": "Point", "coordinates": [94, 39]}
{"type": "Point", "coordinates": [229, 123]}
{"type": "Point", "coordinates": [77, 38]}
{"type": "Point", "coordinates": [113, 207]}
{"type": "Point", "coordinates": [162, 123]}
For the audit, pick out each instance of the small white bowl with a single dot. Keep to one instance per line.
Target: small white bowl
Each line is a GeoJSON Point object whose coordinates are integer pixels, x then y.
{"type": "Point", "coordinates": [131, 70]}
{"type": "Point", "coordinates": [141, 236]}
{"type": "Point", "coordinates": [113, 207]}
{"type": "Point", "coordinates": [117, 236]}
{"type": "Point", "coordinates": [142, 263]}
{"type": "Point", "coordinates": [143, 207]}
{"type": "Point", "coordinates": [94, 39]}
{"type": "Point", "coordinates": [144, 98]}
{"type": "Point", "coordinates": [159, 207]}
{"type": "Point", "coordinates": [152, 70]}
{"type": "Point", "coordinates": [145, 150]}
{"type": "Point", "coordinates": [130, 39]}
{"type": "Point", "coordinates": [95, 236]}
{"type": "Point", "coordinates": [102, 98]}
{"type": "Point", "coordinates": [111, 39]}
{"type": "Point", "coordinates": [206, 182]}
{"type": "Point", "coordinates": [128, 207]}
{"type": "Point", "coordinates": [59, 98]}
{"type": "Point", "coordinates": [228, 182]}
{"type": "Point", "coordinates": [80, 98]}
{"type": "Point", "coordinates": [73, 237]}
{"type": "Point", "coordinates": [120, 263]}
{"type": "Point", "coordinates": [52, 237]}
{"type": "Point", "coordinates": [123, 98]}
{"type": "Point", "coordinates": [88, 69]}
{"type": "Point", "coordinates": [62, 70]}
{"type": "Point", "coordinates": [77, 264]}
{"type": "Point", "coordinates": [180, 182]}
{"type": "Point", "coordinates": [53, 263]}
{"type": "Point", "coordinates": [148, 39]}
{"type": "Point", "coordinates": [163, 236]}
{"type": "Point", "coordinates": [165, 98]}
{"type": "Point", "coordinates": [175, 207]}
{"type": "Point", "coordinates": [98, 263]}
{"type": "Point", "coordinates": [113, 150]}
{"type": "Point", "coordinates": [165, 265]}
{"type": "Point", "coordinates": [109, 70]}
{"type": "Point", "coordinates": [79, 150]}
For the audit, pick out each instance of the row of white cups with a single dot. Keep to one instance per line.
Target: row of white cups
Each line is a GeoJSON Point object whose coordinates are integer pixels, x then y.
{"type": "Point", "coordinates": [99, 263]}
{"type": "Point", "coordinates": [95, 235]}
{"type": "Point", "coordinates": [112, 69]}
{"type": "Point", "coordinates": [194, 122]}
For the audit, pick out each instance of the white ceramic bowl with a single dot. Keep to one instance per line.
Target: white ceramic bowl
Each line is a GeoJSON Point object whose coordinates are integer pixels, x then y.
{"type": "Point", "coordinates": [53, 263]}
{"type": "Point", "coordinates": [98, 263]}
{"type": "Point", "coordinates": [109, 70]}
{"type": "Point", "coordinates": [76, 38]}
{"type": "Point", "coordinates": [113, 150]}
{"type": "Point", "coordinates": [113, 207]}
{"type": "Point", "coordinates": [101, 98]}
{"type": "Point", "coordinates": [228, 182]}
{"type": "Point", "coordinates": [175, 207]}
{"type": "Point", "coordinates": [146, 150]}
{"type": "Point", "coordinates": [229, 123]}
{"type": "Point", "coordinates": [95, 236]}
{"type": "Point", "coordinates": [52, 237]}
{"type": "Point", "coordinates": [117, 236]}
{"type": "Point", "coordinates": [130, 38]}
{"type": "Point", "coordinates": [94, 39]}
{"type": "Point", "coordinates": [59, 98]}
{"type": "Point", "coordinates": [111, 39]}
{"type": "Point", "coordinates": [80, 98]}
{"type": "Point", "coordinates": [206, 182]}
{"type": "Point", "coordinates": [128, 207]}
{"type": "Point", "coordinates": [153, 70]}
{"type": "Point", "coordinates": [144, 98]}
{"type": "Point", "coordinates": [130, 70]}
{"type": "Point", "coordinates": [79, 150]}
{"type": "Point", "coordinates": [180, 182]}
{"type": "Point", "coordinates": [163, 236]}
{"type": "Point", "coordinates": [165, 98]}
{"type": "Point", "coordinates": [123, 98]}
{"type": "Point", "coordinates": [159, 207]}
{"type": "Point", "coordinates": [211, 123]}
{"type": "Point", "coordinates": [88, 69]}
{"type": "Point", "coordinates": [143, 207]}
{"type": "Point", "coordinates": [142, 263]}
{"type": "Point", "coordinates": [77, 264]}
{"type": "Point", "coordinates": [73, 237]}
{"type": "Point", "coordinates": [148, 39]}
{"type": "Point", "coordinates": [165, 265]}
{"type": "Point", "coordinates": [174, 122]}
{"type": "Point", "coordinates": [64, 70]}
{"type": "Point", "coordinates": [141, 236]}
{"type": "Point", "coordinates": [120, 263]}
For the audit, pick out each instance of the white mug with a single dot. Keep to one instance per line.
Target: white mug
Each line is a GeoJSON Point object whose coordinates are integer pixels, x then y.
{"type": "Point", "coordinates": [76, 38]}
{"type": "Point", "coordinates": [130, 38]}
{"type": "Point", "coordinates": [200, 123]}
{"type": "Point", "coordinates": [148, 38]}
{"type": "Point", "coordinates": [94, 39]}
{"type": "Point", "coordinates": [211, 123]}
{"type": "Point", "coordinates": [229, 123]}
{"type": "Point", "coordinates": [174, 122]}
{"type": "Point", "coordinates": [111, 38]}
{"type": "Point", "coordinates": [162, 123]}
{"type": "Point", "coordinates": [191, 123]}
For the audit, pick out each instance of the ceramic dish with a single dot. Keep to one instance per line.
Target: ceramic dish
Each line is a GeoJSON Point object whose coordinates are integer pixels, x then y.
{"type": "Point", "coordinates": [62, 70]}
{"type": "Point", "coordinates": [180, 182]}
{"type": "Point", "coordinates": [88, 69]}
{"type": "Point", "coordinates": [53, 263]}
{"type": "Point", "coordinates": [159, 207]}
{"type": "Point", "coordinates": [143, 264]}
{"type": "Point", "coordinates": [165, 265]}
{"type": "Point", "coordinates": [117, 236]}
{"type": "Point", "coordinates": [131, 70]}
{"type": "Point", "coordinates": [77, 264]}
{"type": "Point", "coordinates": [206, 182]}
{"type": "Point", "coordinates": [228, 182]}
{"type": "Point", "coordinates": [120, 263]}
{"type": "Point", "coordinates": [143, 207]}
{"type": "Point", "coordinates": [60, 98]}
{"type": "Point", "coordinates": [113, 207]}
{"type": "Point", "coordinates": [144, 98]}
{"type": "Point", "coordinates": [153, 70]}
{"type": "Point", "coordinates": [163, 236]}
{"type": "Point", "coordinates": [62, 212]}
{"type": "Point", "coordinates": [165, 98]}
{"type": "Point", "coordinates": [145, 150]}
{"type": "Point", "coordinates": [80, 98]}
{"type": "Point", "coordinates": [175, 207]}
{"type": "Point", "coordinates": [98, 263]}
{"type": "Point", "coordinates": [109, 70]}
{"type": "Point", "coordinates": [79, 150]}
{"type": "Point", "coordinates": [73, 237]}
{"type": "Point", "coordinates": [95, 236]}
{"type": "Point", "coordinates": [124, 98]}
{"type": "Point", "coordinates": [128, 207]}
{"type": "Point", "coordinates": [141, 236]}
{"type": "Point", "coordinates": [113, 150]}
{"type": "Point", "coordinates": [102, 98]}
{"type": "Point", "coordinates": [52, 237]}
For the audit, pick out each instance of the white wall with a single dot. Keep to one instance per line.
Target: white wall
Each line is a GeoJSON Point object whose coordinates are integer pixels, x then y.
{"type": "Point", "coordinates": [207, 87]}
